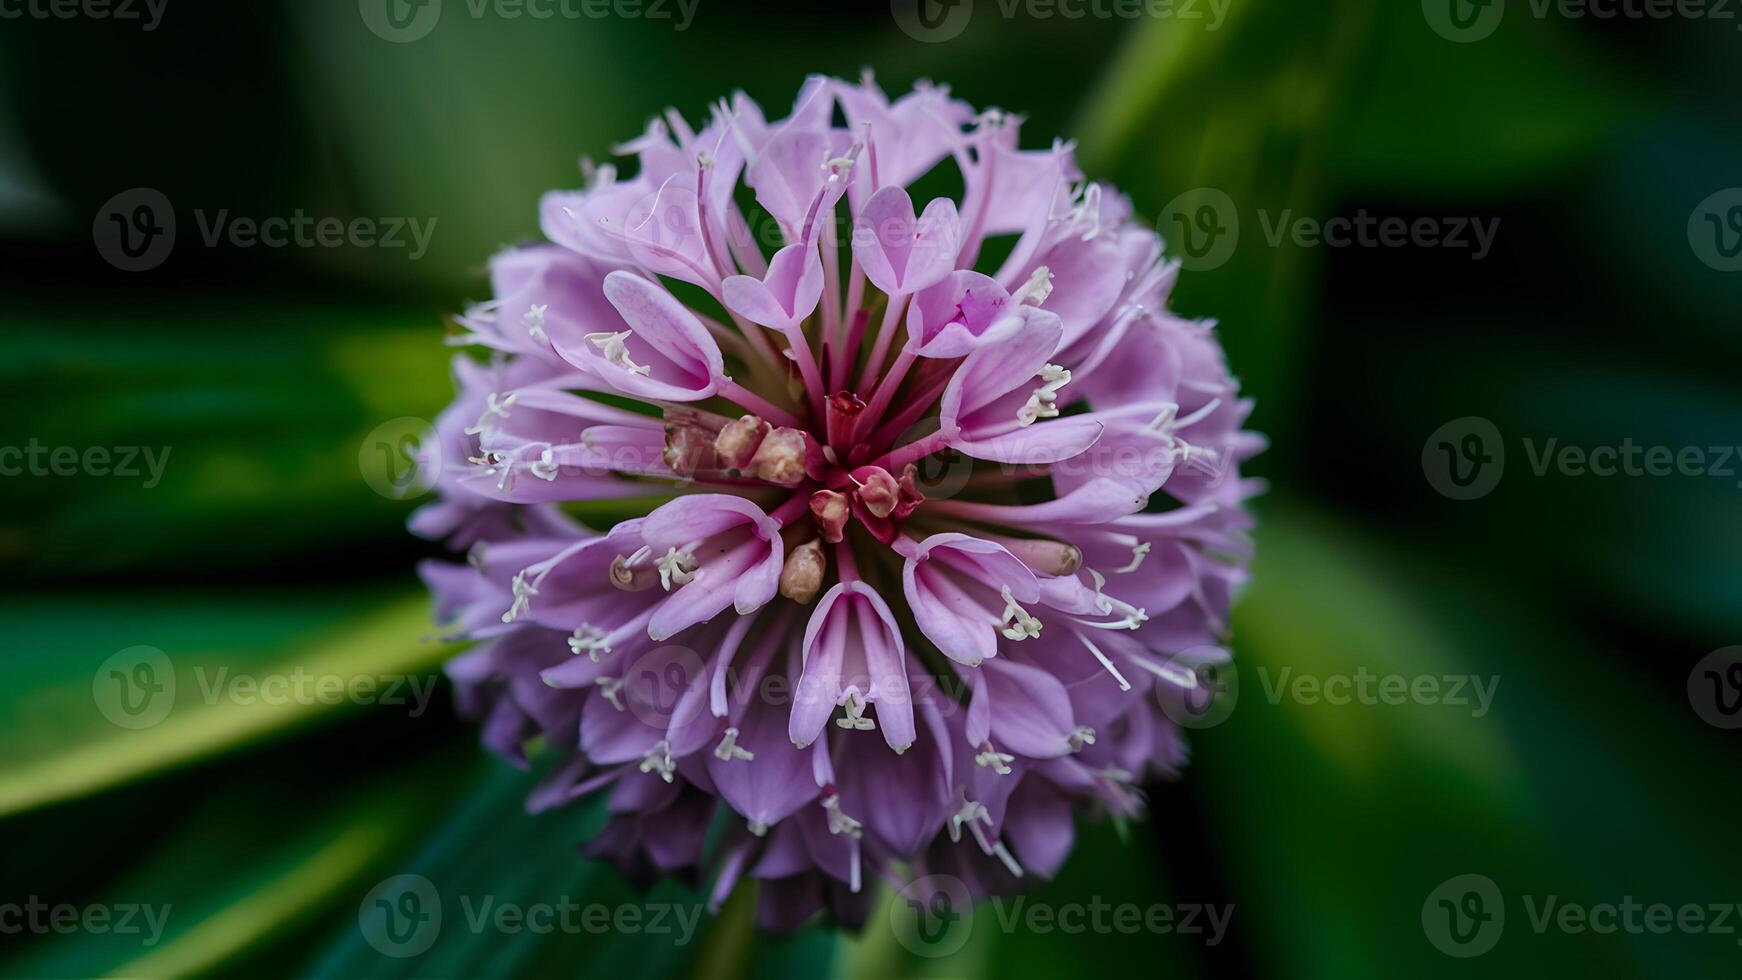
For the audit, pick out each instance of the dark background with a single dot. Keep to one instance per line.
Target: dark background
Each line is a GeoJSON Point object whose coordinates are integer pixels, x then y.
{"type": "Point", "coordinates": [1595, 318]}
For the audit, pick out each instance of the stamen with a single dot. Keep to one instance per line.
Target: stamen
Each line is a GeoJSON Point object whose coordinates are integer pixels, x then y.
{"type": "Point", "coordinates": [728, 748]}
{"type": "Point", "coordinates": [1106, 664]}
{"type": "Point", "coordinates": [658, 759]}
{"type": "Point", "coordinates": [1138, 552]}
{"type": "Point", "coordinates": [1108, 605]}
{"type": "Point", "coordinates": [969, 814]}
{"type": "Point", "coordinates": [840, 823]}
{"type": "Point", "coordinates": [546, 468]}
{"type": "Point", "coordinates": [855, 720]}
{"type": "Point", "coordinates": [613, 349]}
{"type": "Point", "coordinates": [1035, 291]}
{"type": "Point", "coordinates": [533, 321]}
{"type": "Point", "coordinates": [1042, 404]}
{"type": "Point", "coordinates": [524, 590]}
{"type": "Point", "coordinates": [998, 761]}
{"type": "Point", "coordinates": [676, 566]}
{"type": "Point", "coordinates": [1017, 623]}
{"type": "Point", "coordinates": [495, 405]}
{"type": "Point", "coordinates": [612, 689]}
{"type": "Point", "coordinates": [1084, 735]}
{"type": "Point", "coordinates": [590, 640]}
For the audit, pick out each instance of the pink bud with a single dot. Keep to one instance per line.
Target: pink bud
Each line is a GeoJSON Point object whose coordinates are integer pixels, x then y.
{"type": "Point", "coordinates": [739, 440]}
{"type": "Point", "coordinates": [780, 457]}
{"type": "Point", "coordinates": [801, 578]}
{"type": "Point", "coordinates": [877, 490]}
{"type": "Point", "coordinates": [831, 511]}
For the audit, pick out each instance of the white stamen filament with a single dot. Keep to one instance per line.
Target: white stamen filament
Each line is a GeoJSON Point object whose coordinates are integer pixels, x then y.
{"type": "Point", "coordinates": [546, 468]}
{"type": "Point", "coordinates": [1138, 552]}
{"type": "Point", "coordinates": [1017, 623]}
{"type": "Point", "coordinates": [1035, 291]}
{"type": "Point", "coordinates": [1133, 616]}
{"type": "Point", "coordinates": [658, 759]}
{"type": "Point", "coordinates": [613, 349]}
{"type": "Point", "coordinates": [590, 640]}
{"type": "Point", "coordinates": [998, 761]}
{"type": "Point", "coordinates": [855, 720]}
{"type": "Point", "coordinates": [524, 590]}
{"type": "Point", "coordinates": [612, 689]}
{"type": "Point", "coordinates": [495, 406]}
{"type": "Point", "coordinates": [1043, 403]}
{"type": "Point", "coordinates": [533, 321]}
{"type": "Point", "coordinates": [675, 566]}
{"type": "Point", "coordinates": [728, 748]}
{"type": "Point", "coordinates": [1084, 735]}
{"type": "Point", "coordinates": [1106, 664]}
{"type": "Point", "coordinates": [840, 823]}
{"type": "Point", "coordinates": [970, 814]}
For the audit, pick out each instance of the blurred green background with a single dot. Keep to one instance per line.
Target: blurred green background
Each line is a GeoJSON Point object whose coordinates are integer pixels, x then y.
{"type": "Point", "coordinates": [1593, 319]}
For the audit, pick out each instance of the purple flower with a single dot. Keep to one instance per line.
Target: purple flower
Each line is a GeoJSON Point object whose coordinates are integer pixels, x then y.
{"type": "Point", "coordinates": [943, 540]}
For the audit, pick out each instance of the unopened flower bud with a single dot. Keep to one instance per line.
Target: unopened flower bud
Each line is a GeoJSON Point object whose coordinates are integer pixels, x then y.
{"type": "Point", "coordinates": [780, 457]}
{"type": "Point", "coordinates": [877, 490]}
{"type": "Point", "coordinates": [831, 510]}
{"type": "Point", "coordinates": [1047, 556]}
{"type": "Point", "coordinates": [802, 576]}
{"type": "Point", "coordinates": [738, 441]}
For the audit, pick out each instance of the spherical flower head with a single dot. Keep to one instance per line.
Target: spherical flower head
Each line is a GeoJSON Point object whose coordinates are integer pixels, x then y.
{"type": "Point", "coordinates": [944, 536]}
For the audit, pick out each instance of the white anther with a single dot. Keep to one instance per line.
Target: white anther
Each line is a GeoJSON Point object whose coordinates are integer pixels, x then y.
{"type": "Point", "coordinates": [855, 720]}
{"type": "Point", "coordinates": [1043, 403]}
{"type": "Point", "coordinates": [840, 823]}
{"type": "Point", "coordinates": [675, 566]}
{"type": "Point", "coordinates": [1017, 623]}
{"type": "Point", "coordinates": [1138, 551]}
{"type": "Point", "coordinates": [547, 467]}
{"type": "Point", "coordinates": [612, 689]}
{"type": "Point", "coordinates": [1035, 291]}
{"type": "Point", "coordinates": [758, 828]}
{"type": "Point", "coordinates": [998, 761]}
{"type": "Point", "coordinates": [728, 748]}
{"type": "Point", "coordinates": [533, 321]}
{"type": "Point", "coordinates": [495, 406]}
{"type": "Point", "coordinates": [524, 589]}
{"type": "Point", "coordinates": [658, 759]}
{"type": "Point", "coordinates": [969, 814]}
{"type": "Point", "coordinates": [1133, 617]}
{"type": "Point", "coordinates": [589, 640]}
{"type": "Point", "coordinates": [1081, 737]}
{"type": "Point", "coordinates": [612, 348]}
